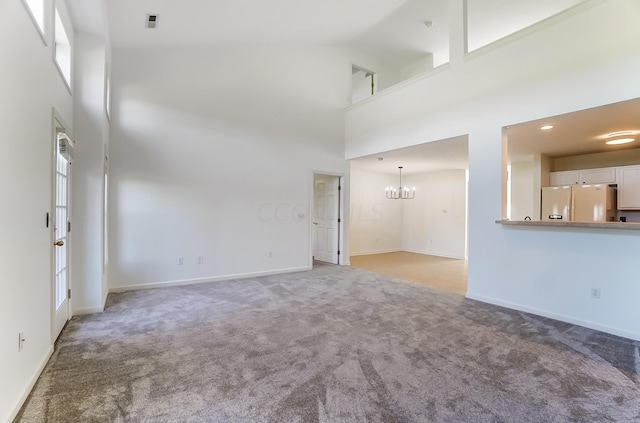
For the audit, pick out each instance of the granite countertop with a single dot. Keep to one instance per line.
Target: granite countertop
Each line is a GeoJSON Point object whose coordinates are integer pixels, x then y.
{"type": "Point", "coordinates": [606, 225]}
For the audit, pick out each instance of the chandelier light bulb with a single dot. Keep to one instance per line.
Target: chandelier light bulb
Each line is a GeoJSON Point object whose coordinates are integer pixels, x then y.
{"type": "Point", "coordinates": [401, 193]}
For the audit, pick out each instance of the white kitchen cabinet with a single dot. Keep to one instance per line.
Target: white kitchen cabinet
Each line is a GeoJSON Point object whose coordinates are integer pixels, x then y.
{"type": "Point", "coordinates": [566, 177]}
{"type": "Point", "coordinates": [603, 175]}
{"type": "Point", "coordinates": [628, 188]}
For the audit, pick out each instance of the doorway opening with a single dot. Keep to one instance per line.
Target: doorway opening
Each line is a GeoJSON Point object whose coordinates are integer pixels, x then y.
{"type": "Point", "coordinates": [327, 221]}
{"type": "Point", "coordinates": [421, 239]}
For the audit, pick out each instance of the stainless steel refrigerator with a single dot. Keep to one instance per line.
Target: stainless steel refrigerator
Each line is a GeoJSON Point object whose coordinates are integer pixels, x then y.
{"type": "Point", "coordinates": [578, 203]}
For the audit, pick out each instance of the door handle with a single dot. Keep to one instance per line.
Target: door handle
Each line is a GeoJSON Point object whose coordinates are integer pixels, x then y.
{"type": "Point", "coordinates": [59, 243]}
{"type": "Point", "coordinates": [315, 223]}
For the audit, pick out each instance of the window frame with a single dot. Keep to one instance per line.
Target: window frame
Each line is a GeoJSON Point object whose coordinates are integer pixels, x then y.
{"type": "Point", "coordinates": [41, 27]}
{"type": "Point", "coordinates": [107, 92]}
{"type": "Point", "coordinates": [59, 24]}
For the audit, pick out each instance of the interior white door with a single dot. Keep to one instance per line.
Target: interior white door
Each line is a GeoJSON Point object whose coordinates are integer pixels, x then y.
{"type": "Point", "coordinates": [61, 223]}
{"type": "Point", "coordinates": [326, 210]}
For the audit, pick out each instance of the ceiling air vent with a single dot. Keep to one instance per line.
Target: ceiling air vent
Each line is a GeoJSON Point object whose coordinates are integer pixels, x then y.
{"type": "Point", "coordinates": [152, 21]}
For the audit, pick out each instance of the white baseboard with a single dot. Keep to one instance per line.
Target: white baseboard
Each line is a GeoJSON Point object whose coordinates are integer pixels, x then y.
{"type": "Point", "coordinates": [428, 253]}
{"type": "Point", "coordinates": [366, 253]}
{"type": "Point", "coordinates": [205, 280]}
{"type": "Point", "coordinates": [434, 253]}
{"type": "Point", "coordinates": [31, 384]}
{"type": "Point", "coordinates": [88, 310]}
{"type": "Point", "coordinates": [564, 318]}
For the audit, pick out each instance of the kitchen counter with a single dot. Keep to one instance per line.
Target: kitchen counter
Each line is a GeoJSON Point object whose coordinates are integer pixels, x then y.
{"type": "Point", "coordinates": [546, 223]}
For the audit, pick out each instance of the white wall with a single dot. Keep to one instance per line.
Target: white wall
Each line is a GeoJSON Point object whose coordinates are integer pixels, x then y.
{"type": "Point", "coordinates": [31, 87]}
{"type": "Point", "coordinates": [376, 223]}
{"type": "Point", "coordinates": [361, 86]}
{"type": "Point", "coordinates": [212, 154]}
{"type": "Point", "coordinates": [590, 161]}
{"type": "Point", "coordinates": [490, 20]}
{"type": "Point", "coordinates": [386, 75]}
{"type": "Point", "coordinates": [434, 222]}
{"type": "Point", "coordinates": [89, 132]}
{"type": "Point", "coordinates": [420, 225]}
{"type": "Point", "coordinates": [549, 272]}
{"type": "Point", "coordinates": [523, 191]}
{"type": "Point", "coordinates": [417, 67]}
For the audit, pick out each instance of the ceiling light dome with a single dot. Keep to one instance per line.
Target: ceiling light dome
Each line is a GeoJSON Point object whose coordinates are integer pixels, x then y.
{"type": "Point", "coordinates": [618, 141]}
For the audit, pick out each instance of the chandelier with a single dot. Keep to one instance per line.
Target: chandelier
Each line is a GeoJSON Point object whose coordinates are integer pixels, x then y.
{"type": "Point", "coordinates": [400, 193]}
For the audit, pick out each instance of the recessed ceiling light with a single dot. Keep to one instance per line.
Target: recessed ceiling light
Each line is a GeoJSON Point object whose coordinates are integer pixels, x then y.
{"type": "Point", "coordinates": [544, 128]}
{"type": "Point", "coordinates": [620, 141]}
{"type": "Point", "coordinates": [619, 134]}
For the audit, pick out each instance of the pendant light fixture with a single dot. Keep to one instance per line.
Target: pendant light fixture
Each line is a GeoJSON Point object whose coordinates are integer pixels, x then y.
{"type": "Point", "coordinates": [400, 193]}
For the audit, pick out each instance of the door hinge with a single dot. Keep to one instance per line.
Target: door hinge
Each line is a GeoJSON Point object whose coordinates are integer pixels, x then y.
{"type": "Point", "coordinates": [69, 293]}
{"type": "Point", "coordinates": [46, 220]}
{"type": "Point", "coordinates": [338, 220]}
{"type": "Point", "coordinates": [69, 227]}
{"type": "Point", "coordinates": [338, 252]}
{"type": "Point", "coordinates": [339, 187]}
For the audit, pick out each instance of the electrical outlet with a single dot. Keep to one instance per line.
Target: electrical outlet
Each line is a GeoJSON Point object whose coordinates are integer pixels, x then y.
{"type": "Point", "coordinates": [21, 340]}
{"type": "Point", "coordinates": [200, 259]}
{"type": "Point", "coordinates": [180, 260]}
{"type": "Point", "coordinates": [595, 292]}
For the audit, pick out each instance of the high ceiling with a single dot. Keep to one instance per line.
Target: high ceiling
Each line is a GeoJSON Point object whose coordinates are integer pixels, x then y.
{"type": "Point", "coordinates": [413, 30]}
{"type": "Point", "coordinates": [395, 32]}
{"type": "Point", "coordinates": [237, 22]}
{"type": "Point", "coordinates": [391, 31]}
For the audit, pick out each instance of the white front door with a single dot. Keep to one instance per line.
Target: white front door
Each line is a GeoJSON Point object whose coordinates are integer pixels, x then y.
{"type": "Point", "coordinates": [326, 210]}
{"type": "Point", "coordinates": [61, 227]}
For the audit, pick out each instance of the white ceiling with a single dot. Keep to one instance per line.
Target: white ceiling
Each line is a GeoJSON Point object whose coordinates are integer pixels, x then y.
{"type": "Point", "coordinates": [446, 154]}
{"type": "Point", "coordinates": [391, 31]}
{"type": "Point", "coordinates": [402, 36]}
{"type": "Point", "coordinates": [87, 16]}
{"type": "Point", "coordinates": [237, 22]}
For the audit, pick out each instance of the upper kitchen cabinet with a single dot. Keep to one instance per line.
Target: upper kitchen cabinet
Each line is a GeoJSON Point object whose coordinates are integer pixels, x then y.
{"type": "Point", "coordinates": [567, 177]}
{"type": "Point", "coordinates": [604, 175]}
{"type": "Point", "coordinates": [629, 188]}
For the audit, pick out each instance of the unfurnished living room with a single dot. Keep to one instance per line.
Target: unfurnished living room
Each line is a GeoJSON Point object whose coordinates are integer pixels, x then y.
{"type": "Point", "coordinates": [320, 211]}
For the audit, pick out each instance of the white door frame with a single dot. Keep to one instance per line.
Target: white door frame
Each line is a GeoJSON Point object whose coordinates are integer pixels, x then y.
{"type": "Point", "coordinates": [58, 122]}
{"type": "Point", "coordinates": [343, 257]}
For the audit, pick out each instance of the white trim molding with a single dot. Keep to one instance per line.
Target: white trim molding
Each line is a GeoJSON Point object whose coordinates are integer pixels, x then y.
{"type": "Point", "coordinates": [163, 284]}
{"type": "Point", "coordinates": [31, 384]}
{"type": "Point", "coordinates": [564, 318]}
